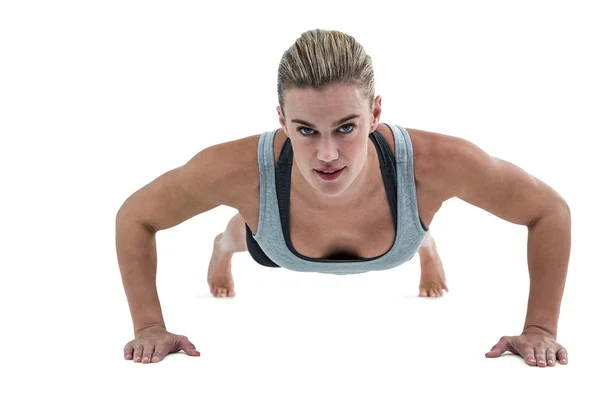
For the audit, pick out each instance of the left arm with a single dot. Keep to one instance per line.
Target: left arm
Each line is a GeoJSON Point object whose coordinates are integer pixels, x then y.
{"type": "Point", "coordinates": [507, 191]}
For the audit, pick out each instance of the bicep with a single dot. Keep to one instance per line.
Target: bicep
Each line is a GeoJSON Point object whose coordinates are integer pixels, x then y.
{"type": "Point", "coordinates": [497, 186]}
{"type": "Point", "coordinates": [178, 194]}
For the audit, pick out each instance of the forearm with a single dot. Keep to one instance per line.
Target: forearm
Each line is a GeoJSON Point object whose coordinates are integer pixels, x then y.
{"type": "Point", "coordinates": [136, 254]}
{"type": "Point", "coordinates": [548, 252]}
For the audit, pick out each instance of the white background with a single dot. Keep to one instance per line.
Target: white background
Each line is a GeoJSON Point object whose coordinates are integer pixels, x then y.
{"type": "Point", "coordinates": [97, 99]}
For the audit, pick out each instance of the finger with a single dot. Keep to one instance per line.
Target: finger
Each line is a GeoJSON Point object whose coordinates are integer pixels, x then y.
{"type": "Point", "coordinates": [563, 356]}
{"type": "Point", "coordinates": [128, 351]}
{"type": "Point", "coordinates": [498, 348]}
{"type": "Point", "coordinates": [550, 357]}
{"type": "Point", "coordinates": [540, 357]}
{"type": "Point", "coordinates": [188, 347]}
{"type": "Point", "coordinates": [148, 350]}
{"type": "Point", "coordinates": [529, 355]}
{"type": "Point", "coordinates": [137, 352]}
{"type": "Point", "coordinates": [159, 352]}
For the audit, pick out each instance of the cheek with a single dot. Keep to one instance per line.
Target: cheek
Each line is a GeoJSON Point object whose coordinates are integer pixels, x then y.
{"type": "Point", "coordinates": [359, 157]}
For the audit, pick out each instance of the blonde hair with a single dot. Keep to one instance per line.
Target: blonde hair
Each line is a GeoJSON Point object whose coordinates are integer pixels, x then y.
{"type": "Point", "coordinates": [320, 58]}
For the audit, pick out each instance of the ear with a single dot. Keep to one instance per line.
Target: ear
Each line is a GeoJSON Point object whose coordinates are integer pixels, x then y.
{"type": "Point", "coordinates": [376, 114]}
{"type": "Point", "coordinates": [282, 121]}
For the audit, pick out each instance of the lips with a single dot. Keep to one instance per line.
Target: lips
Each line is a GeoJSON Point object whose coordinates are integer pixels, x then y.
{"type": "Point", "coordinates": [329, 169]}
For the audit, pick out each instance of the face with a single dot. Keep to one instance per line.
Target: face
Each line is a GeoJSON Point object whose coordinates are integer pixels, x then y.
{"type": "Point", "coordinates": [323, 138]}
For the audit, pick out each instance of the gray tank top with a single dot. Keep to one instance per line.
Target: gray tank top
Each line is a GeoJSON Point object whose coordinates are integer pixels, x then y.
{"type": "Point", "coordinates": [272, 233]}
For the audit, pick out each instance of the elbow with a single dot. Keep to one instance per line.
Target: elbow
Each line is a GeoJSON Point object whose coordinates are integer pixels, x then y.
{"type": "Point", "coordinates": [558, 207]}
{"type": "Point", "coordinates": [122, 213]}
{"type": "Point", "coordinates": [124, 217]}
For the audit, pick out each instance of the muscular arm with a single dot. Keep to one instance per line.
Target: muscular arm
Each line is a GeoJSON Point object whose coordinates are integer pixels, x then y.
{"type": "Point", "coordinates": [512, 194]}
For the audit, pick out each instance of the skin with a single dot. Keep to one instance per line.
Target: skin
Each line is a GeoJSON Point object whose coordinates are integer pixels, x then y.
{"type": "Point", "coordinates": [468, 173]}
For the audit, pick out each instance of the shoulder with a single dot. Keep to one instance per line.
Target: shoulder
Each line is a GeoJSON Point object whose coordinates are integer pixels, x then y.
{"type": "Point", "coordinates": [427, 148]}
{"type": "Point", "coordinates": [239, 158]}
{"type": "Point", "coordinates": [436, 157]}
{"type": "Point", "coordinates": [236, 162]}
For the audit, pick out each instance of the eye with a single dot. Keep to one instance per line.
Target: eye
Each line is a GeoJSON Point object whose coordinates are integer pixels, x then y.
{"type": "Point", "coordinates": [350, 125]}
{"type": "Point", "coordinates": [345, 132]}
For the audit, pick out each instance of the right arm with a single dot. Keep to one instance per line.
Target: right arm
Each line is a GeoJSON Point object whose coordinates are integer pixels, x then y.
{"type": "Point", "coordinates": [170, 199]}
{"type": "Point", "coordinates": [136, 253]}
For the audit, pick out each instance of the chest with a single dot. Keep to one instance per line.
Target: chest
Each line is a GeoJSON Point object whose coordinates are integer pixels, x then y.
{"type": "Point", "coordinates": [365, 232]}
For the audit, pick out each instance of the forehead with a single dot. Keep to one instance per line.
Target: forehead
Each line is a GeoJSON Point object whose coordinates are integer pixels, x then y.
{"type": "Point", "coordinates": [326, 101]}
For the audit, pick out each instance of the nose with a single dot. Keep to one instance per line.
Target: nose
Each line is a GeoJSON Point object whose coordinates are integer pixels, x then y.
{"type": "Point", "coordinates": [327, 150]}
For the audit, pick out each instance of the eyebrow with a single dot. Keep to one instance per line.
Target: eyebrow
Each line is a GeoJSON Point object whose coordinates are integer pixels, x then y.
{"type": "Point", "coordinates": [334, 124]}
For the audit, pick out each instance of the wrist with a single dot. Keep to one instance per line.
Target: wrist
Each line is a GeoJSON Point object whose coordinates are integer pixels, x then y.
{"type": "Point", "coordinates": [538, 329]}
{"type": "Point", "coordinates": [156, 325]}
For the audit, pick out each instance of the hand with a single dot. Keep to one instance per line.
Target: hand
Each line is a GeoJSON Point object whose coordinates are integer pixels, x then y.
{"type": "Point", "coordinates": [537, 347]}
{"type": "Point", "coordinates": [152, 344]}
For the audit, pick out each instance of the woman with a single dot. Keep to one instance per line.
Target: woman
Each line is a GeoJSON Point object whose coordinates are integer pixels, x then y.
{"type": "Point", "coordinates": [336, 191]}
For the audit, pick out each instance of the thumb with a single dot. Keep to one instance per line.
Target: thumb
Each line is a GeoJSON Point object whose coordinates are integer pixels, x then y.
{"type": "Point", "coordinates": [498, 349]}
{"type": "Point", "coordinates": [188, 347]}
